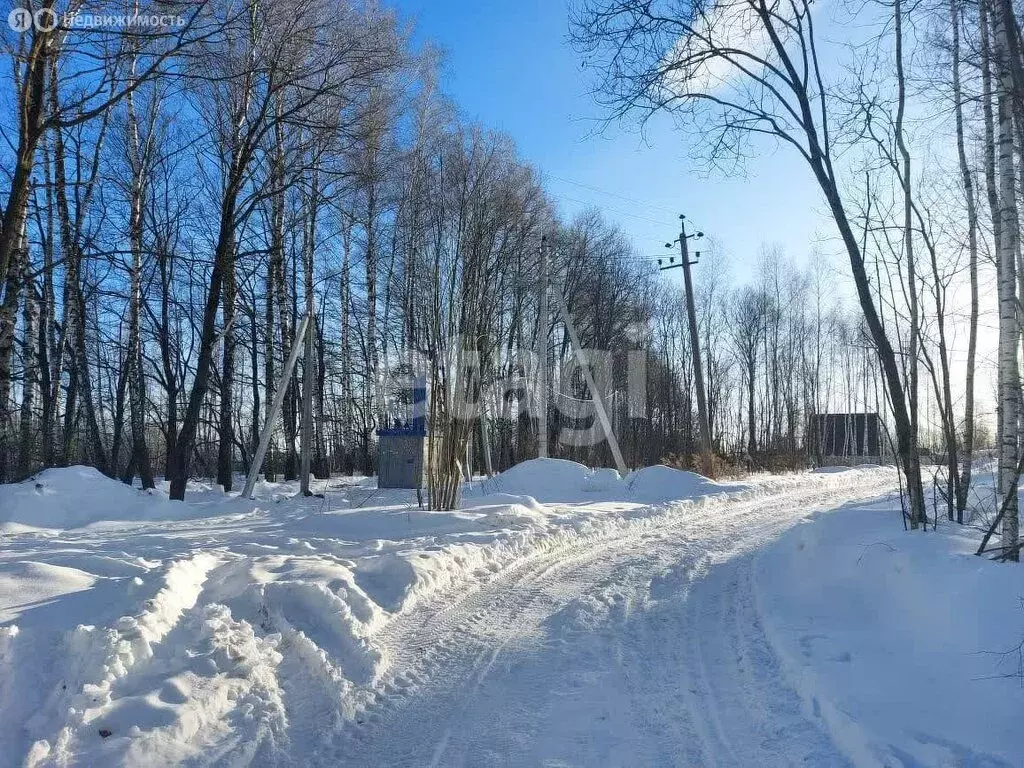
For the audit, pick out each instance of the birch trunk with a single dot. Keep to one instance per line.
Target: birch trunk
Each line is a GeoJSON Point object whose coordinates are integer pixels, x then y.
{"type": "Point", "coordinates": [285, 321]}
{"type": "Point", "coordinates": [1006, 255]}
{"type": "Point", "coordinates": [967, 456]}
{"type": "Point", "coordinates": [136, 370]}
{"type": "Point", "coordinates": [347, 437]}
{"type": "Point", "coordinates": [49, 355]}
{"type": "Point", "coordinates": [906, 180]}
{"type": "Point", "coordinates": [308, 361]}
{"type": "Point", "coordinates": [30, 383]}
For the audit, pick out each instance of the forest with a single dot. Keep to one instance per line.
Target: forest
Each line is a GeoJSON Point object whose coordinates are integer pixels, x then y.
{"type": "Point", "coordinates": [188, 189]}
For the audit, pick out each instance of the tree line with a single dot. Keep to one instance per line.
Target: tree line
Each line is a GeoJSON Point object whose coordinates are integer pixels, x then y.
{"type": "Point", "coordinates": [179, 198]}
{"type": "Point", "coordinates": [907, 117]}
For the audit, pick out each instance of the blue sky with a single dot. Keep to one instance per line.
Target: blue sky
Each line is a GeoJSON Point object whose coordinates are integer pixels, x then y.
{"type": "Point", "coordinates": [509, 67]}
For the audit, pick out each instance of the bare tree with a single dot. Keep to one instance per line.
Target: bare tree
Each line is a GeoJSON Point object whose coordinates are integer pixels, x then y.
{"type": "Point", "coordinates": [1007, 248]}
{"type": "Point", "coordinates": [743, 68]}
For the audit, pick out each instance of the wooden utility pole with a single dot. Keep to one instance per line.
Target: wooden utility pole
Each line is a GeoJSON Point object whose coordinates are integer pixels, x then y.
{"type": "Point", "coordinates": [543, 327]}
{"type": "Point", "coordinates": [275, 408]}
{"type": "Point", "coordinates": [588, 377]}
{"type": "Point", "coordinates": [308, 363]}
{"type": "Point", "coordinates": [698, 371]}
{"type": "Point", "coordinates": [485, 438]}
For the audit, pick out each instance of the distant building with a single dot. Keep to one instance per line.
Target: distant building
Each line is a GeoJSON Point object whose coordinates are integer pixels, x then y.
{"type": "Point", "coordinates": [836, 438]}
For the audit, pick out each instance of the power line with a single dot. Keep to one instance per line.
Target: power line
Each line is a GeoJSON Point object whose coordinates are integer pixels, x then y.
{"type": "Point", "coordinates": [613, 210]}
{"type": "Point", "coordinates": [624, 198]}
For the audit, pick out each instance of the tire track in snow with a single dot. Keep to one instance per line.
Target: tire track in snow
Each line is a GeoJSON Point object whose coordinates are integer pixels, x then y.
{"type": "Point", "coordinates": [96, 659]}
{"type": "Point", "coordinates": [733, 688]}
{"type": "Point", "coordinates": [437, 699]}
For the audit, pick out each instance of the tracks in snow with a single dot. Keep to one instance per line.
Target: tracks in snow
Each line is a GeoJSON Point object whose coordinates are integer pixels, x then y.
{"type": "Point", "coordinates": [638, 648]}
{"type": "Point", "coordinates": [630, 640]}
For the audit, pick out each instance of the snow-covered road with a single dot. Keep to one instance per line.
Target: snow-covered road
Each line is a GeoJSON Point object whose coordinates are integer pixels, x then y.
{"type": "Point", "coordinates": [640, 648]}
{"type": "Point", "coordinates": [563, 616]}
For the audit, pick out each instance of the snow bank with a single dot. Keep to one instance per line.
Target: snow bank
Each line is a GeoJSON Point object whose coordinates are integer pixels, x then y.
{"type": "Point", "coordinates": [904, 644]}
{"type": "Point", "coordinates": [72, 497]}
{"type": "Point", "coordinates": [553, 480]}
{"type": "Point", "coordinates": [601, 480]}
{"type": "Point", "coordinates": [29, 583]}
{"type": "Point", "coordinates": [661, 483]}
{"type": "Point", "coordinates": [562, 481]}
{"type": "Point", "coordinates": [837, 469]}
{"type": "Point", "coordinates": [95, 658]}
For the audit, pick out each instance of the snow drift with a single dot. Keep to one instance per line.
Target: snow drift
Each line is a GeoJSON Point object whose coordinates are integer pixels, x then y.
{"type": "Point", "coordinates": [554, 480]}
{"type": "Point", "coordinates": [559, 480]}
{"type": "Point", "coordinates": [72, 497]}
{"type": "Point", "coordinates": [661, 483]}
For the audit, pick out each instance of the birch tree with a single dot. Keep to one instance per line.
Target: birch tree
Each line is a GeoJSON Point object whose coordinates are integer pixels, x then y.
{"type": "Point", "coordinates": [1007, 248]}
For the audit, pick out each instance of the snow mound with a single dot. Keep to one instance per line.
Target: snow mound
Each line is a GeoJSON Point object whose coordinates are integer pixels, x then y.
{"type": "Point", "coordinates": [30, 583]}
{"type": "Point", "coordinates": [73, 497]}
{"type": "Point", "coordinates": [500, 499]}
{"type": "Point", "coordinates": [559, 480]}
{"type": "Point", "coordinates": [601, 480]}
{"type": "Point", "coordinates": [513, 516]}
{"type": "Point", "coordinates": [548, 480]}
{"type": "Point", "coordinates": [661, 483]}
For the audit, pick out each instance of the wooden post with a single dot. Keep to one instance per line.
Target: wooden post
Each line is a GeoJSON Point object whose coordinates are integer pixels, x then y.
{"type": "Point", "coordinates": [306, 446]}
{"type": "Point", "coordinates": [602, 414]}
{"type": "Point", "coordinates": [698, 371]}
{"type": "Point", "coordinates": [268, 427]}
{"type": "Point", "coordinates": [543, 328]}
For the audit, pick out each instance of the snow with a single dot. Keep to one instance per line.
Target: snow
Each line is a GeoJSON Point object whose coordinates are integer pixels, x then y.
{"type": "Point", "coordinates": [902, 643]}
{"type": "Point", "coordinates": [831, 470]}
{"type": "Point", "coordinates": [661, 483]}
{"type": "Point", "coordinates": [559, 480]}
{"type": "Point", "coordinates": [77, 496]}
{"type": "Point", "coordinates": [550, 480]}
{"type": "Point", "coordinates": [562, 615]}
{"type": "Point", "coordinates": [37, 584]}
{"type": "Point", "coordinates": [843, 468]}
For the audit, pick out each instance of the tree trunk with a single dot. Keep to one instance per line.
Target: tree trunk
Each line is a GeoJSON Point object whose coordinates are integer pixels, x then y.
{"type": "Point", "coordinates": [967, 457]}
{"type": "Point", "coordinates": [751, 422]}
{"type": "Point", "coordinates": [268, 355]}
{"type": "Point", "coordinates": [180, 459]}
{"type": "Point", "coordinates": [371, 319]}
{"type": "Point", "coordinates": [136, 367]}
{"type": "Point", "coordinates": [31, 110]}
{"type": "Point", "coordinates": [1006, 255]}
{"type": "Point", "coordinates": [347, 416]}
{"type": "Point", "coordinates": [168, 352]}
{"type": "Point", "coordinates": [8, 320]}
{"type": "Point", "coordinates": [918, 513]}
{"type": "Point", "coordinates": [226, 431]}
